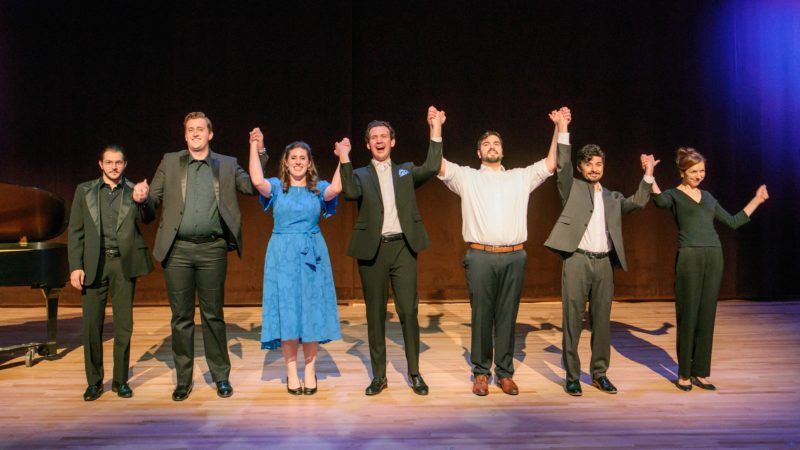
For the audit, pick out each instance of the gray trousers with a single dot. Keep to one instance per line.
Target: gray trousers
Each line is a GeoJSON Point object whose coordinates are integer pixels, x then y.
{"type": "Point", "coordinates": [495, 282]}
{"type": "Point", "coordinates": [583, 279]}
{"type": "Point", "coordinates": [198, 268]}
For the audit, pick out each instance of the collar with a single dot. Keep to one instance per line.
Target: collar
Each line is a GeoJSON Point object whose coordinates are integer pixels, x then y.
{"type": "Point", "coordinates": [104, 185]}
{"type": "Point", "coordinates": [489, 169]}
{"type": "Point", "coordinates": [380, 164]}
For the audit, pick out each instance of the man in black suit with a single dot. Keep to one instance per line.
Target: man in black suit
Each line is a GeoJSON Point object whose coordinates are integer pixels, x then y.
{"type": "Point", "coordinates": [200, 223]}
{"type": "Point", "coordinates": [106, 255]}
{"type": "Point", "coordinates": [387, 237]}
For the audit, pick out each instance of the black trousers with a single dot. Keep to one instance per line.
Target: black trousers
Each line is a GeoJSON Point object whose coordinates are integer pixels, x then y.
{"type": "Point", "coordinates": [698, 275]}
{"type": "Point", "coordinates": [397, 264]}
{"type": "Point", "coordinates": [199, 268]}
{"type": "Point", "coordinates": [583, 279]}
{"type": "Point", "coordinates": [495, 282]}
{"type": "Point", "coordinates": [93, 302]}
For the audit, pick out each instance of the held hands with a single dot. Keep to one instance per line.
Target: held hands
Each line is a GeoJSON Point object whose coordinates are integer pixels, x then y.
{"type": "Point", "coordinates": [140, 192]}
{"type": "Point", "coordinates": [561, 118]}
{"type": "Point", "coordinates": [649, 163]}
{"type": "Point", "coordinates": [342, 148]}
{"type": "Point", "coordinates": [76, 279]}
{"type": "Point", "coordinates": [256, 140]}
{"type": "Point", "coordinates": [761, 194]}
{"type": "Point", "coordinates": [435, 120]}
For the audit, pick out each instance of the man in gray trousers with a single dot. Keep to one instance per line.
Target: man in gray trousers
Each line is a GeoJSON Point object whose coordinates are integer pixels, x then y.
{"type": "Point", "coordinates": [588, 236]}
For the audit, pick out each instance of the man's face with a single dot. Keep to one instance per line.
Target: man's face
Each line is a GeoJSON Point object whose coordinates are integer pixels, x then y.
{"type": "Point", "coordinates": [112, 165]}
{"type": "Point", "coordinates": [694, 175]}
{"type": "Point", "coordinates": [380, 143]}
{"type": "Point", "coordinates": [491, 150]}
{"type": "Point", "coordinates": [197, 135]}
{"type": "Point", "coordinates": [592, 170]}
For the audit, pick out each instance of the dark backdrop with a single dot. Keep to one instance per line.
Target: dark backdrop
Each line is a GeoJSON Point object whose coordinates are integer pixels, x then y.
{"type": "Point", "coordinates": [639, 77]}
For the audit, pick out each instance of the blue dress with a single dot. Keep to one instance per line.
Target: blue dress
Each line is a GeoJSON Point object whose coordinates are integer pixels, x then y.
{"type": "Point", "coordinates": [299, 295]}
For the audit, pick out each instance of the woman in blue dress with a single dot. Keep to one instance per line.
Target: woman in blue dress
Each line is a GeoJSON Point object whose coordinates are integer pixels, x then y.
{"type": "Point", "coordinates": [299, 297]}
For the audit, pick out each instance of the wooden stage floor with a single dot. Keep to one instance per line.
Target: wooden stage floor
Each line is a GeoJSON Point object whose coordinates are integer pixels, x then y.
{"type": "Point", "coordinates": [756, 366]}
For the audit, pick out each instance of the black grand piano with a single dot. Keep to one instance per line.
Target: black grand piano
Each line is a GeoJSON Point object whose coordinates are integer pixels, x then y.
{"type": "Point", "coordinates": [28, 217]}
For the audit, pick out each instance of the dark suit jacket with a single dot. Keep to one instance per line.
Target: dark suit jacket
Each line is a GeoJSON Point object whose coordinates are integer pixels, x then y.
{"type": "Point", "coordinates": [169, 190]}
{"type": "Point", "coordinates": [363, 186]}
{"type": "Point", "coordinates": [577, 197]}
{"type": "Point", "coordinates": [85, 232]}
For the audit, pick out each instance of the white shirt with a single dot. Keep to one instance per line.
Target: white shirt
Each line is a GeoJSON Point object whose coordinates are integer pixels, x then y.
{"type": "Point", "coordinates": [391, 224]}
{"type": "Point", "coordinates": [494, 203]}
{"type": "Point", "coordinates": [595, 239]}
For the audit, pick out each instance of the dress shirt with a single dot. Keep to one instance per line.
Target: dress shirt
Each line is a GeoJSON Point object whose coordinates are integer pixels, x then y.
{"type": "Point", "coordinates": [200, 213]}
{"type": "Point", "coordinates": [596, 239]}
{"type": "Point", "coordinates": [110, 201]}
{"type": "Point", "coordinates": [391, 224]}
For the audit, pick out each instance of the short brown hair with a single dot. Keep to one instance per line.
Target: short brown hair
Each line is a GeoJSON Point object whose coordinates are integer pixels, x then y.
{"type": "Point", "coordinates": [486, 134]}
{"type": "Point", "coordinates": [687, 157]}
{"type": "Point", "coordinates": [378, 123]}
{"type": "Point", "coordinates": [589, 151]}
{"type": "Point", "coordinates": [197, 115]}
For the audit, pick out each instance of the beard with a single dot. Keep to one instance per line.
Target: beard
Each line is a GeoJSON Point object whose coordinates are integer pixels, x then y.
{"type": "Point", "coordinates": [492, 159]}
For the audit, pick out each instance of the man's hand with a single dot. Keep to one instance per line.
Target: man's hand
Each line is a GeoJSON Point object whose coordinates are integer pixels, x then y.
{"type": "Point", "coordinates": [649, 163]}
{"type": "Point", "coordinates": [561, 118]}
{"type": "Point", "coordinates": [256, 140]}
{"type": "Point", "coordinates": [76, 279]}
{"type": "Point", "coordinates": [140, 191]}
{"type": "Point", "coordinates": [342, 148]}
{"type": "Point", "coordinates": [435, 120]}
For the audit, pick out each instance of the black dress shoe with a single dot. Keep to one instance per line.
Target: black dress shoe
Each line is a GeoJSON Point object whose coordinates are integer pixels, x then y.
{"type": "Point", "coordinates": [377, 386]}
{"type": "Point", "coordinates": [224, 389]}
{"type": "Point", "coordinates": [418, 384]}
{"type": "Point", "coordinates": [604, 384]}
{"type": "Point", "coordinates": [93, 392]}
{"type": "Point", "coordinates": [573, 388]}
{"type": "Point", "coordinates": [181, 392]}
{"type": "Point", "coordinates": [122, 389]}
{"type": "Point", "coordinates": [311, 391]}
{"type": "Point", "coordinates": [298, 391]}
{"type": "Point", "coordinates": [701, 385]}
{"type": "Point", "coordinates": [683, 387]}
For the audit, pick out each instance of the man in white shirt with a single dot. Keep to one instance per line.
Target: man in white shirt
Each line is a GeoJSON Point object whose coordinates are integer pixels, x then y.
{"type": "Point", "coordinates": [588, 236]}
{"type": "Point", "coordinates": [494, 209]}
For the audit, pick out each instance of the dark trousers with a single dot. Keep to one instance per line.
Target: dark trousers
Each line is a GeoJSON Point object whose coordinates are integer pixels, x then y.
{"type": "Point", "coordinates": [93, 301]}
{"type": "Point", "coordinates": [198, 268]}
{"type": "Point", "coordinates": [394, 262]}
{"type": "Point", "coordinates": [698, 275]}
{"type": "Point", "coordinates": [495, 282]}
{"type": "Point", "coordinates": [583, 279]}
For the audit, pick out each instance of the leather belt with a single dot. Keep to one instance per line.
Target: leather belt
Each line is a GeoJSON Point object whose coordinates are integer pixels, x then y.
{"type": "Point", "coordinates": [200, 239]}
{"type": "Point", "coordinates": [112, 252]}
{"type": "Point", "coordinates": [391, 237]}
{"type": "Point", "coordinates": [496, 248]}
{"type": "Point", "coordinates": [593, 255]}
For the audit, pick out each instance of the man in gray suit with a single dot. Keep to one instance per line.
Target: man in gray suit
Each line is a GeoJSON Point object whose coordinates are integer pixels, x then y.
{"type": "Point", "coordinates": [106, 254]}
{"type": "Point", "coordinates": [588, 236]}
{"type": "Point", "coordinates": [200, 223]}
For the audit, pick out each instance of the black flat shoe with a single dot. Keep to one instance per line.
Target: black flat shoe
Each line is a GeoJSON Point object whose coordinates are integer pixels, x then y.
{"type": "Point", "coordinates": [573, 388]}
{"type": "Point", "coordinates": [181, 392]}
{"type": "Point", "coordinates": [122, 389]}
{"type": "Point", "coordinates": [604, 384]}
{"type": "Point", "coordinates": [418, 384]}
{"type": "Point", "coordinates": [224, 389]}
{"type": "Point", "coordinates": [684, 387]}
{"type": "Point", "coordinates": [93, 392]}
{"type": "Point", "coordinates": [298, 391]}
{"type": "Point", "coordinates": [701, 385]}
{"type": "Point", "coordinates": [377, 386]}
{"type": "Point", "coordinates": [311, 391]}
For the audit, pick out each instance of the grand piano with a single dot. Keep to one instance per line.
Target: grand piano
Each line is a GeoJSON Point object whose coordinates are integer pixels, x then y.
{"type": "Point", "coordinates": [28, 217]}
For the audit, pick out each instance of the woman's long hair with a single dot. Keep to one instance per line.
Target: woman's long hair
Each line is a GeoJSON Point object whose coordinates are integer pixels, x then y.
{"type": "Point", "coordinates": [311, 175]}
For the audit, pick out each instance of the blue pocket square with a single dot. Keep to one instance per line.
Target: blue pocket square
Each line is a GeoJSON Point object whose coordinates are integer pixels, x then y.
{"type": "Point", "coordinates": [402, 172]}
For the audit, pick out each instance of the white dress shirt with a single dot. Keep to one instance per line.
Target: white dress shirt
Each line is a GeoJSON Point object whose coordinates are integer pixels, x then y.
{"type": "Point", "coordinates": [391, 224]}
{"type": "Point", "coordinates": [595, 239]}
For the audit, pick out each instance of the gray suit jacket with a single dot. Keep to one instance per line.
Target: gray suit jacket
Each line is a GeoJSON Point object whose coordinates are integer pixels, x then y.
{"type": "Point", "coordinates": [85, 232]}
{"type": "Point", "coordinates": [169, 188]}
{"type": "Point", "coordinates": [363, 186]}
{"type": "Point", "coordinates": [577, 198]}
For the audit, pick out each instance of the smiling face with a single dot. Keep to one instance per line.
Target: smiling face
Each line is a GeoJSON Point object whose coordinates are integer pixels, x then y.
{"type": "Point", "coordinates": [296, 161]}
{"type": "Point", "coordinates": [592, 170]}
{"type": "Point", "coordinates": [694, 175]}
{"type": "Point", "coordinates": [197, 134]}
{"type": "Point", "coordinates": [112, 165]}
{"type": "Point", "coordinates": [490, 149]}
{"type": "Point", "coordinates": [380, 142]}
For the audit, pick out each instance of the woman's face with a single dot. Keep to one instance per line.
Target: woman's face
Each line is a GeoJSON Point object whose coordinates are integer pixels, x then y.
{"type": "Point", "coordinates": [694, 175]}
{"type": "Point", "coordinates": [297, 162]}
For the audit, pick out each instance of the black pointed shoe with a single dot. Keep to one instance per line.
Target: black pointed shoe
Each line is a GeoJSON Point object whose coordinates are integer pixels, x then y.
{"type": "Point", "coordinates": [604, 384]}
{"type": "Point", "coordinates": [298, 391]}
{"type": "Point", "coordinates": [376, 386]}
{"type": "Point", "coordinates": [181, 392]}
{"type": "Point", "coordinates": [122, 389]}
{"type": "Point", "coordinates": [224, 389]}
{"type": "Point", "coordinates": [93, 392]}
{"type": "Point", "coordinates": [683, 387]}
{"type": "Point", "coordinates": [418, 384]}
{"type": "Point", "coordinates": [701, 385]}
{"type": "Point", "coordinates": [573, 388]}
{"type": "Point", "coordinates": [311, 391]}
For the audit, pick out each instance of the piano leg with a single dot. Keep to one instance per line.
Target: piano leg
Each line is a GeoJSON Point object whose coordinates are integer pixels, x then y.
{"type": "Point", "coordinates": [50, 348]}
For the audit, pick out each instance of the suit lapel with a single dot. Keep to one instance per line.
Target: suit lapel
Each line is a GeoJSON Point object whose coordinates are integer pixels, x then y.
{"type": "Point", "coordinates": [126, 203]}
{"type": "Point", "coordinates": [375, 180]}
{"type": "Point", "coordinates": [92, 203]}
{"type": "Point", "coordinates": [395, 177]}
{"type": "Point", "coordinates": [607, 204]}
{"type": "Point", "coordinates": [215, 173]}
{"type": "Point", "coordinates": [184, 171]}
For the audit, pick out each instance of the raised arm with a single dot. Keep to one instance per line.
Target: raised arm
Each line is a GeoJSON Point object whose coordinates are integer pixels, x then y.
{"type": "Point", "coordinates": [433, 162]}
{"type": "Point", "coordinates": [650, 160]}
{"type": "Point", "coordinates": [561, 119]}
{"type": "Point", "coordinates": [336, 182]}
{"type": "Point", "coordinates": [761, 196]}
{"type": "Point", "coordinates": [350, 186]}
{"type": "Point", "coordinates": [256, 170]}
{"type": "Point", "coordinates": [642, 196]}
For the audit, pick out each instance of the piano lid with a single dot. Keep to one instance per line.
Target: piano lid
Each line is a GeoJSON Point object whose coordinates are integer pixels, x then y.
{"type": "Point", "coordinates": [30, 212]}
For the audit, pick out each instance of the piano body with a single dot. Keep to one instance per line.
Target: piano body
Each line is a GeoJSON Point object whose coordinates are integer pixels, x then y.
{"type": "Point", "coordinates": [29, 216]}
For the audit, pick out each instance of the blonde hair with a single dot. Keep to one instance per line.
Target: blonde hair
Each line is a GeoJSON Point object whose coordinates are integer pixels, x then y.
{"type": "Point", "coordinates": [197, 115]}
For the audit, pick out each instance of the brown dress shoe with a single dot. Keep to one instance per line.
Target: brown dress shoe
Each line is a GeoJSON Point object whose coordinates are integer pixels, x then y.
{"type": "Point", "coordinates": [481, 385]}
{"type": "Point", "coordinates": [508, 386]}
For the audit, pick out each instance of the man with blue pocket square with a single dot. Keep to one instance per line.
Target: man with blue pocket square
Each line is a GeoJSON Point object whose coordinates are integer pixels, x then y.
{"type": "Point", "coordinates": [387, 237]}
